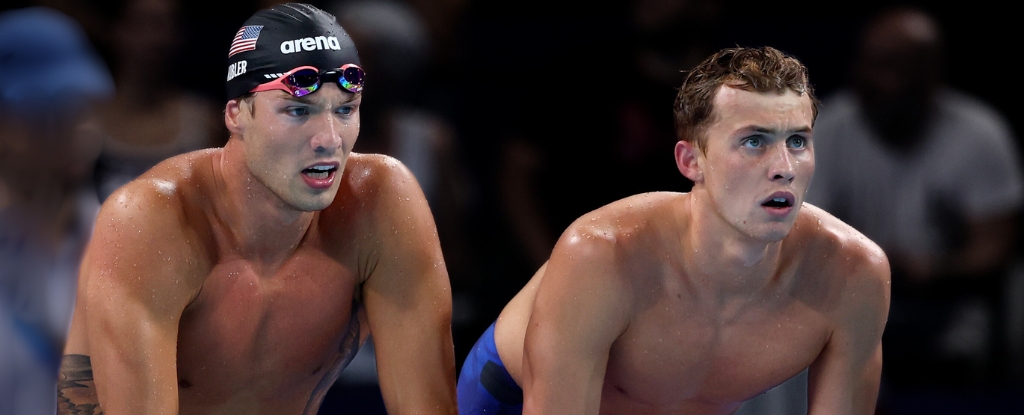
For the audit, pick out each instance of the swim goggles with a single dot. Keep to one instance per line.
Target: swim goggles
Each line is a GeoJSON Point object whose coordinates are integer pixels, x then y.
{"type": "Point", "coordinates": [305, 80]}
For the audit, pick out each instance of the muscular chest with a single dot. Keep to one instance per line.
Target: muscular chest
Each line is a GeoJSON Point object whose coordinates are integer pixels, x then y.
{"type": "Point", "coordinates": [250, 329]}
{"type": "Point", "coordinates": [677, 354]}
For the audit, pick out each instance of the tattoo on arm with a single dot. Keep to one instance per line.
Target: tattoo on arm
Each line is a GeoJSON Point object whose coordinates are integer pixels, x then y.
{"type": "Point", "coordinates": [76, 391]}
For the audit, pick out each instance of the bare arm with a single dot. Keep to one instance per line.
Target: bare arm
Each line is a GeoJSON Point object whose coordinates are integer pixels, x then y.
{"type": "Point", "coordinates": [581, 308]}
{"type": "Point", "coordinates": [134, 284]}
{"type": "Point", "coordinates": [408, 301]}
{"type": "Point", "coordinates": [845, 377]}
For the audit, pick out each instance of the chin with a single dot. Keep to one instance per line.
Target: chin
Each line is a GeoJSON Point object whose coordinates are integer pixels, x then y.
{"type": "Point", "coordinates": [313, 203]}
{"type": "Point", "coordinates": [774, 232]}
{"type": "Point", "coordinates": [768, 232]}
{"type": "Point", "coordinates": [772, 237]}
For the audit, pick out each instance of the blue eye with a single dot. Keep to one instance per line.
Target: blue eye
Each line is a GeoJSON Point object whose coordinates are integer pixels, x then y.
{"type": "Point", "coordinates": [752, 142]}
{"type": "Point", "coordinates": [296, 111]}
{"type": "Point", "coordinates": [797, 142]}
{"type": "Point", "coordinates": [346, 110]}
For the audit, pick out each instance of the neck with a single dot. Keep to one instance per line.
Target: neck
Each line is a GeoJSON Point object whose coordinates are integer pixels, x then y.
{"type": "Point", "coordinates": [258, 224]}
{"type": "Point", "coordinates": [718, 252]}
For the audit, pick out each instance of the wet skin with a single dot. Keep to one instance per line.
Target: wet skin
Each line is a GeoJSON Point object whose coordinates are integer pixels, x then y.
{"type": "Point", "coordinates": [243, 279]}
{"type": "Point", "coordinates": [670, 303]}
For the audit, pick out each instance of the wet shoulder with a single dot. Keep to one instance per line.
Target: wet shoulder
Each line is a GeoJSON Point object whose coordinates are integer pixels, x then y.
{"type": "Point", "coordinates": [183, 180]}
{"type": "Point", "coordinates": [834, 254]}
{"type": "Point", "coordinates": [174, 194]}
{"type": "Point", "coordinates": [370, 176]}
{"type": "Point", "coordinates": [373, 187]}
{"type": "Point", "coordinates": [636, 224]}
{"type": "Point", "coordinates": [832, 236]}
{"type": "Point", "coordinates": [153, 223]}
{"type": "Point", "coordinates": [174, 181]}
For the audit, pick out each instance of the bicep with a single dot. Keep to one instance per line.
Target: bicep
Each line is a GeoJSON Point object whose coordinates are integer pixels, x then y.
{"type": "Point", "coordinates": [130, 299]}
{"type": "Point", "coordinates": [579, 311]}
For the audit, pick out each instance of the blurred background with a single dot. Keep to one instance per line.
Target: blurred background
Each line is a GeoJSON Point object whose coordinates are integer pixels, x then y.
{"type": "Point", "coordinates": [519, 116]}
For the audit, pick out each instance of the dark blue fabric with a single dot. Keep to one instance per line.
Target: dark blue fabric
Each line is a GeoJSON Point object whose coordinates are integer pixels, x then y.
{"type": "Point", "coordinates": [485, 387]}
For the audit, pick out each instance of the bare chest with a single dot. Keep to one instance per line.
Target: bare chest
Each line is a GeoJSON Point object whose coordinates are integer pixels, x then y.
{"type": "Point", "coordinates": [693, 360]}
{"type": "Point", "coordinates": [275, 335]}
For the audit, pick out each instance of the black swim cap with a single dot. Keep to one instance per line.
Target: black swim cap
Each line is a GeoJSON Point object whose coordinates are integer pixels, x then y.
{"type": "Point", "coordinates": [276, 40]}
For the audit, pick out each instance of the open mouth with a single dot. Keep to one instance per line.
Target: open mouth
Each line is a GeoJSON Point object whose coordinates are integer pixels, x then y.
{"type": "Point", "coordinates": [320, 172]}
{"type": "Point", "coordinates": [778, 202]}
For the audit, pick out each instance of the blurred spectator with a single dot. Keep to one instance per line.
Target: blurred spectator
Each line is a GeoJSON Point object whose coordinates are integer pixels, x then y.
{"type": "Point", "coordinates": [151, 118]}
{"type": "Point", "coordinates": [51, 77]}
{"type": "Point", "coordinates": [933, 176]}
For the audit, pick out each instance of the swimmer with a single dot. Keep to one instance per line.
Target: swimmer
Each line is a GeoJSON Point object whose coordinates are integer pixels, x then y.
{"type": "Point", "coordinates": [692, 303]}
{"type": "Point", "coordinates": [242, 279]}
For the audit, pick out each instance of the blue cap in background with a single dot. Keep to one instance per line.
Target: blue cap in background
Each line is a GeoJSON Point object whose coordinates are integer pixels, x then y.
{"type": "Point", "coordinates": [47, 62]}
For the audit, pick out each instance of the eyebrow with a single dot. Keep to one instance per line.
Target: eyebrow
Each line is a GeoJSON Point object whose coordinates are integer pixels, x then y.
{"type": "Point", "coordinates": [309, 101]}
{"type": "Point", "coordinates": [759, 129]}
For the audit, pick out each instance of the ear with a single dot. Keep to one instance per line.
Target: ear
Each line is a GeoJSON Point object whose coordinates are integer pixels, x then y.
{"type": "Point", "coordinates": [235, 118]}
{"type": "Point", "coordinates": [688, 160]}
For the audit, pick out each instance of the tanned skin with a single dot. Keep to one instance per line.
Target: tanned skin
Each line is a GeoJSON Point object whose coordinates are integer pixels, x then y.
{"type": "Point", "coordinates": [237, 281]}
{"type": "Point", "coordinates": [692, 303]}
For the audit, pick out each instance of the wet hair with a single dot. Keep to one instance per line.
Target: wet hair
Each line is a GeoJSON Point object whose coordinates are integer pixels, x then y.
{"type": "Point", "coordinates": [763, 69]}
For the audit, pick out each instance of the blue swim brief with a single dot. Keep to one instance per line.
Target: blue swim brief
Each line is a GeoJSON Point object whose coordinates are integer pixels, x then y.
{"type": "Point", "coordinates": [485, 387]}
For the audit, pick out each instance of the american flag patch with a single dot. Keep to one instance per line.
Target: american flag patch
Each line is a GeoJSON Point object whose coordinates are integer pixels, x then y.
{"type": "Point", "coordinates": [245, 39]}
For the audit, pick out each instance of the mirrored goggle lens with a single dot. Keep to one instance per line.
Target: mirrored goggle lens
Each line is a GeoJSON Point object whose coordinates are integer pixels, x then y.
{"type": "Point", "coordinates": [303, 82]}
{"type": "Point", "coordinates": [351, 78]}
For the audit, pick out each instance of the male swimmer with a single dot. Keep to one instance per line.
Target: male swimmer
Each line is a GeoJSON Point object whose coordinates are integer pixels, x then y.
{"type": "Point", "coordinates": [692, 303]}
{"type": "Point", "coordinates": [242, 279]}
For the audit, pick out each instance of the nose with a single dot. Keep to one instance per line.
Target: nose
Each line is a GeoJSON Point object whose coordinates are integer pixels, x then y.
{"type": "Point", "coordinates": [327, 138]}
{"type": "Point", "coordinates": [781, 165]}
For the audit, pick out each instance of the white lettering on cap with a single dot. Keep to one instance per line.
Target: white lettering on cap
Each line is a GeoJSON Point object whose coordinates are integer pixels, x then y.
{"type": "Point", "coordinates": [236, 69]}
{"type": "Point", "coordinates": [309, 44]}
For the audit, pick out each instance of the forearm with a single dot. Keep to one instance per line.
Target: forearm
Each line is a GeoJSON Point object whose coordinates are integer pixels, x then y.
{"type": "Point", "coordinates": [414, 351]}
{"type": "Point", "coordinates": [76, 388]}
{"type": "Point", "coordinates": [423, 383]}
{"type": "Point", "coordinates": [132, 356]}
